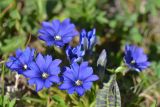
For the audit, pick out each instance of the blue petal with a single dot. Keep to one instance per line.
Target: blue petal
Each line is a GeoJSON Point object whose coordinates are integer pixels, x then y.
{"type": "Point", "coordinates": [18, 52]}
{"type": "Point", "coordinates": [141, 58]}
{"type": "Point", "coordinates": [48, 83]}
{"type": "Point", "coordinates": [54, 70]}
{"type": "Point", "coordinates": [59, 43]}
{"type": "Point", "coordinates": [69, 30]}
{"type": "Point", "coordinates": [67, 39]}
{"type": "Point", "coordinates": [71, 90]}
{"type": "Point", "coordinates": [75, 68]}
{"type": "Point", "coordinates": [32, 81]}
{"type": "Point", "coordinates": [92, 42]}
{"type": "Point", "coordinates": [48, 28]}
{"type": "Point", "coordinates": [27, 54]}
{"type": "Point", "coordinates": [65, 23]}
{"type": "Point", "coordinates": [87, 85]}
{"type": "Point", "coordinates": [66, 85]}
{"type": "Point", "coordinates": [91, 78]}
{"type": "Point", "coordinates": [91, 33]}
{"type": "Point", "coordinates": [143, 65]}
{"type": "Point", "coordinates": [83, 65]}
{"type": "Point", "coordinates": [56, 25]}
{"type": "Point", "coordinates": [56, 62]}
{"type": "Point", "coordinates": [31, 74]}
{"type": "Point", "coordinates": [48, 60]}
{"type": "Point", "coordinates": [48, 39]}
{"type": "Point", "coordinates": [85, 72]}
{"type": "Point", "coordinates": [40, 62]}
{"type": "Point", "coordinates": [39, 84]}
{"type": "Point", "coordinates": [34, 67]}
{"type": "Point", "coordinates": [13, 65]}
{"type": "Point", "coordinates": [69, 75]}
{"type": "Point", "coordinates": [80, 90]}
{"type": "Point", "coordinates": [54, 79]}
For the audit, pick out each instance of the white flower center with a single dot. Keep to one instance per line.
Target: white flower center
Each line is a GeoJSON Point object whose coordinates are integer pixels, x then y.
{"type": "Point", "coordinates": [57, 37]}
{"type": "Point", "coordinates": [133, 62]}
{"type": "Point", "coordinates": [78, 82]}
{"type": "Point", "coordinates": [25, 67]}
{"type": "Point", "coordinates": [45, 75]}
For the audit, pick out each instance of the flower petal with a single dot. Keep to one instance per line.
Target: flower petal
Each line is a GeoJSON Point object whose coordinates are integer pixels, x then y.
{"type": "Point", "coordinates": [56, 25]}
{"type": "Point", "coordinates": [69, 75]}
{"type": "Point", "coordinates": [56, 62]}
{"type": "Point", "coordinates": [48, 39]}
{"type": "Point", "coordinates": [48, 83]}
{"type": "Point", "coordinates": [71, 90]}
{"type": "Point", "coordinates": [39, 84]}
{"type": "Point", "coordinates": [87, 85]}
{"type": "Point", "coordinates": [91, 78]}
{"type": "Point", "coordinates": [48, 60]}
{"type": "Point", "coordinates": [85, 72]}
{"type": "Point", "coordinates": [75, 68]}
{"type": "Point", "coordinates": [31, 74]}
{"type": "Point", "coordinates": [54, 79]}
{"type": "Point", "coordinates": [80, 90]}
{"type": "Point", "coordinates": [32, 81]}
{"type": "Point", "coordinates": [40, 62]}
{"type": "Point", "coordinates": [34, 67]}
{"type": "Point", "coordinates": [66, 85]}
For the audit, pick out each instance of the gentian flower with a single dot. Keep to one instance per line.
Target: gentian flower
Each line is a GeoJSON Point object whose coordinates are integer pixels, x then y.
{"type": "Point", "coordinates": [20, 62]}
{"type": "Point", "coordinates": [57, 33]}
{"type": "Point", "coordinates": [75, 54]}
{"type": "Point", "coordinates": [135, 58]}
{"type": "Point", "coordinates": [43, 72]}
{"type": "Point", "coordinates": [78, 78]}
{"type": "Point", "coordinates": [88, 39]}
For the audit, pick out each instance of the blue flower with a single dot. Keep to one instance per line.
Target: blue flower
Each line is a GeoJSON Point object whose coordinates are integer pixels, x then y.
{"type": "Point", "coordinates": [75, 54]}
{"type": "Point", "coordinates": [57, 33]}
{"type": "Point", "coordinates": [78, 78]}
{"type": "Point", "coordinates": [20, 62]}
{"type": "Point", "coordinates": [88, 39]}
{"type": "Point", "coordinates": [43, 72]}
{"type": "Point", "coordinates": [135, 58]}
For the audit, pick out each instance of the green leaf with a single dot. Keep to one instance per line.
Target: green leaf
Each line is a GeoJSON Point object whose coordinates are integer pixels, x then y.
{"type": "Point", "coordinates": [156, 67]}
{"type": "Point", "coordinates": [5, 3]}
{"type": "Point", "coordinates": [59, 100]}
{"type": "Point", "coordinates": [41, 9]}
{"type": "Point", "coordinates": [101, 18]}
{"type": "Point", "coordinates": [112, 23]}
{"type": "Point", "coordinates": [109, 95]}
{"type": "Point", "coordinates": [135, 35]}
{"type": "Point", "coordinates": [154, 104]}
{"type": "Point", "coordinates": [15, 14]}
{"type": "Point", "coordinates": [34, 100]}
{"type": "Point", "coordinates": [12, 103]}
{"type": "Point", "coordinates": [12, 44]}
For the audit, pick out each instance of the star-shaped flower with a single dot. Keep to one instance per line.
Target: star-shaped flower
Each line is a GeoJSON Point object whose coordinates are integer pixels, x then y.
{"type": "Point", "coordinates": [57, 33]}
{"type": "Point", "coordinates": [43, 72]}
{"type": "Point", "coordinates": [20, 62]}
{"type": "Point", "coordinates": [78, 78]}
{"type": "Point", "coordinates": [135, 58]}
{"type": "Point", "coordinates": [88, 39]}
{"type": "Point", "coordinates": [75, 54]}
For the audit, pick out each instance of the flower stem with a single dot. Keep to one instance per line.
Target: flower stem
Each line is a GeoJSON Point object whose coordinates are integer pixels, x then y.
{"type": "Point", "coordinates": [2, 81]}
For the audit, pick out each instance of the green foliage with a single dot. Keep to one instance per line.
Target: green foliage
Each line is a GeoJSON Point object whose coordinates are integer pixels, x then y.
{"type": "Point", "coordinates": [117, 22]}
{"type": "Point", "coordinates": [109, 95]}
{"type": "Point", "coordinates": [156, 67]}
{"type": "Point", "coordinates": [6, 102]}
{"type": "Point", "coordinates": [60, 101]}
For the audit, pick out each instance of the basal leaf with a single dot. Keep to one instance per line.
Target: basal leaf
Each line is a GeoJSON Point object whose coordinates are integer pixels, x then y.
{"type": "Point", "coordinates": [109, 95]}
